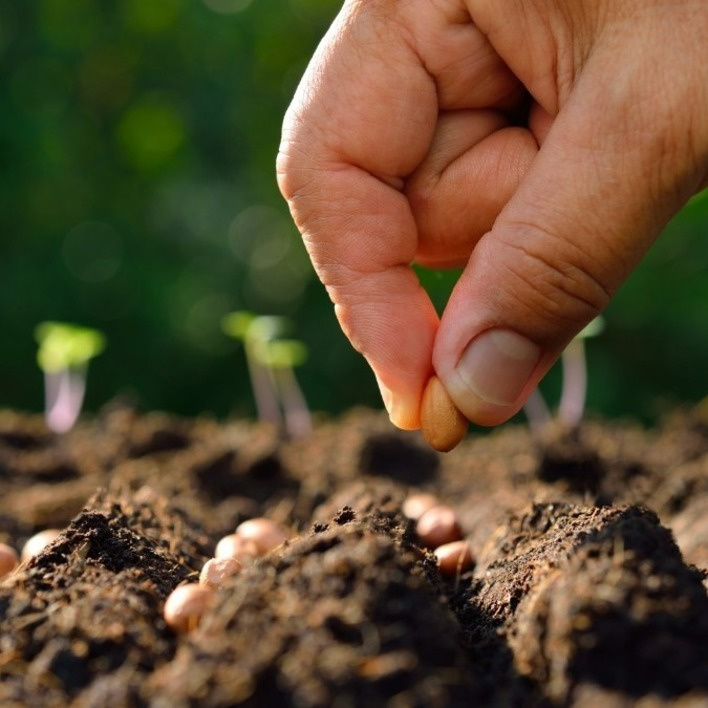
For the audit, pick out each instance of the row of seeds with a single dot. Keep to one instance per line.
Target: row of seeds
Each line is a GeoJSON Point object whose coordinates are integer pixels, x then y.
{"type": "Point", "coordinates": [436, 526]}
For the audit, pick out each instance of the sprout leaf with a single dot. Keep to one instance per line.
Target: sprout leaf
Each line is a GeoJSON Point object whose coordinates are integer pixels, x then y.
{"type": "Point", "coordinates": [592, 329]}
{"type": "Point", "coordinates": [65, 346]}
{"type": "Point", "coordinates": [282, 353]}
{"type": "Point", "coordinates": [237, 324]}
{"type": "Point", "coordinates": [246, 326]}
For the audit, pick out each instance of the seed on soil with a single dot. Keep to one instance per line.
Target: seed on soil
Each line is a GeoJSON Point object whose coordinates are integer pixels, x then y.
{"type": "Point", "coordinates": [265, 533]}
{"type": "Point", "coordinates": [185, 606]}
{"type": "Point", "coordinates": [244, 550]}
{"type": "Point", "coordinates": [443, 424]}
{"type": "Point", "coordinates": [454, 558]}
{"type": "Point", "coordinates": [438, 526]}
{"type": "Point", "coordinates": [36, 543]}
{"type": "Point", "coordinates": [8, 559]}
{"type": "Point", "coordinates": [216, 570]}
{"type": "Point", "coordinates": [417, 504]}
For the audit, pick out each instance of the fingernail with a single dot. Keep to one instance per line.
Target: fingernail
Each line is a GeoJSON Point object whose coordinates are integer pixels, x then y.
{"type": "Point", "coordinates": [497, 365]}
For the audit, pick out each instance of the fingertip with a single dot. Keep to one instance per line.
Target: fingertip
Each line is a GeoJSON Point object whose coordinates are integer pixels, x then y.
{"type": "Point", "coordinates": [402, 404]}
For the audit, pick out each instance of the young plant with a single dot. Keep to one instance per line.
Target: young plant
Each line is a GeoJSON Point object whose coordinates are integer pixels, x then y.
{"type": "Point", "coordinates": [271, 361]}
{"type": "Point", "coordinates": [63, 355]}
{"type": "Point", "coordinates": [251, 330]}
{"type": "Point", "coordinates": [574, 386]}
{"type": "Point", "coordinates": [281, 357]}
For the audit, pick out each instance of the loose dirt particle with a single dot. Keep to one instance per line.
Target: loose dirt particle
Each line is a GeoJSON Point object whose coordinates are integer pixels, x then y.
{"type": "Point", "coordinates": [438, 526]}
{"type": "Point", "coordinates": [186, 605]}
{"type": "Point", "coordinates": [266, 534]}
{"type": "Point", "coordinates": [8, 559]}
{"type": "Point", "coordinates": [454, 558]}
{"type": "Point", "coordinates": [417, 504]}
{"type": "Point", "coordinates": [442, 423]}
{"type": "Point", "coordinates": [216, 570]}
{"type": "Point", "coordinates": [36, 543]}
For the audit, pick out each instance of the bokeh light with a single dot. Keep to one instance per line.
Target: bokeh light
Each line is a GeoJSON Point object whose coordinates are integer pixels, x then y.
{"type": "Point", "coordinates": [93, 251]}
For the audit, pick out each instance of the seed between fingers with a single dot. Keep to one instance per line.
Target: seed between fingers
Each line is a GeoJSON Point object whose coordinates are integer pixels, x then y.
{"type": "Point", "coordinates": [442, 423]}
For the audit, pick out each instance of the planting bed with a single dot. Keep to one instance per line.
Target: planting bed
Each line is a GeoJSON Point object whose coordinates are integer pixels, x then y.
{"type": "Point", "coordinates": [588, 588]}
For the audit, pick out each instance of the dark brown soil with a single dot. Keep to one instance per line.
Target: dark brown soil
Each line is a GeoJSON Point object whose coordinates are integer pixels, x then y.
{"type": "Point", "coordinates": [589, 587]}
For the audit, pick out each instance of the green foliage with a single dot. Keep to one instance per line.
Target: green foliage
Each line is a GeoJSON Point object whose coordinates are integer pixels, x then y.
{"type": "Point", "coordinates": [66, 346]}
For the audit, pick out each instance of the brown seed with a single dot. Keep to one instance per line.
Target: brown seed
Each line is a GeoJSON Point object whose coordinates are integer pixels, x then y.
{"type": "Point", "coordinates": [438, 526]}
{"type": "Point", "coordinates": [417, 504]}
{"type": "Point", "coordinates": [216, 570]}
{"type": "Point", "coordinates": [36, 543]}
{"type": "Point", "coordinates": [453, 558]}
{"type": "Point", "coordinates": [443, 424]}
{"type": "Point", "coordinates": [242, 549]}
{"type": "Point", "coordinates": [185, 606]}
{"type": "Point", "coordinates": [266, 534]}
{"type": "Point", "coordinates": [8, 559]}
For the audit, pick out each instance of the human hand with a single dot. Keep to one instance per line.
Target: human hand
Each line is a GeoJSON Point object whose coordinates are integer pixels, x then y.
{"type": "Point", "coordinates": [543, 145]}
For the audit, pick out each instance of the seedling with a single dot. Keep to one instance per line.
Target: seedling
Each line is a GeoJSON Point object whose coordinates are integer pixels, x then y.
{"type": "Point", "coordinates": [63, 355]}
{"type": "Point", "coordinates": [271, 362]}
{"type": "Point", "coordinates": [251, 330]}
{"type": "Point", "coordinates": [572, 400]}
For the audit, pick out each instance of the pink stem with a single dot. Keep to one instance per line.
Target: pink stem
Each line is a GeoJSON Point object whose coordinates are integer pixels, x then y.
{"type": "Point", "coordinates": [64, 396]}
{"type": "Point", "coordinates": [572, 403]}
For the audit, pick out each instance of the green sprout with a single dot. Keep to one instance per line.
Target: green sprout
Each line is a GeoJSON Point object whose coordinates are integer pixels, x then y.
{"type": "Point", "coordinates": [63, 355]}
{"type": "Point", "coordinates": [271, 360]}
{"type": "Point", "coordinates": [573, 393]}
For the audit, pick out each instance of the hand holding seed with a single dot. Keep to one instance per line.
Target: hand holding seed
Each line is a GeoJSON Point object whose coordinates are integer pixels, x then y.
{"type": "Point", "coordinates": [490, 136]}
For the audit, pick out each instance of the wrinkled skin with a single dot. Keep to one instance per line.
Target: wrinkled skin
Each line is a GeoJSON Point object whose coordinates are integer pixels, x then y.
{"type": "Point", "coordinates": [542, 145]}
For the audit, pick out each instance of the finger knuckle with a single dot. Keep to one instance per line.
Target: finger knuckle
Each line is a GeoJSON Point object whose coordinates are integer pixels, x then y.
{"type": "Point", "coordinates": [556, 281]}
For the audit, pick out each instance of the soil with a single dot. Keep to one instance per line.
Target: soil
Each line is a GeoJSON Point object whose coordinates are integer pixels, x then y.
{"type": "Point", "coordinates": [589, 587]}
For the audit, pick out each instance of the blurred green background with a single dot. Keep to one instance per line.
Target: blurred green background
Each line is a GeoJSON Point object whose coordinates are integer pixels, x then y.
{"type": "Point", "coordinates": [137, 195]}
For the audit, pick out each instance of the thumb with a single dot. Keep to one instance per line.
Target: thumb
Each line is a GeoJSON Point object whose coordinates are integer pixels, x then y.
{"type": "Point", "coordinates": [614, 167]}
